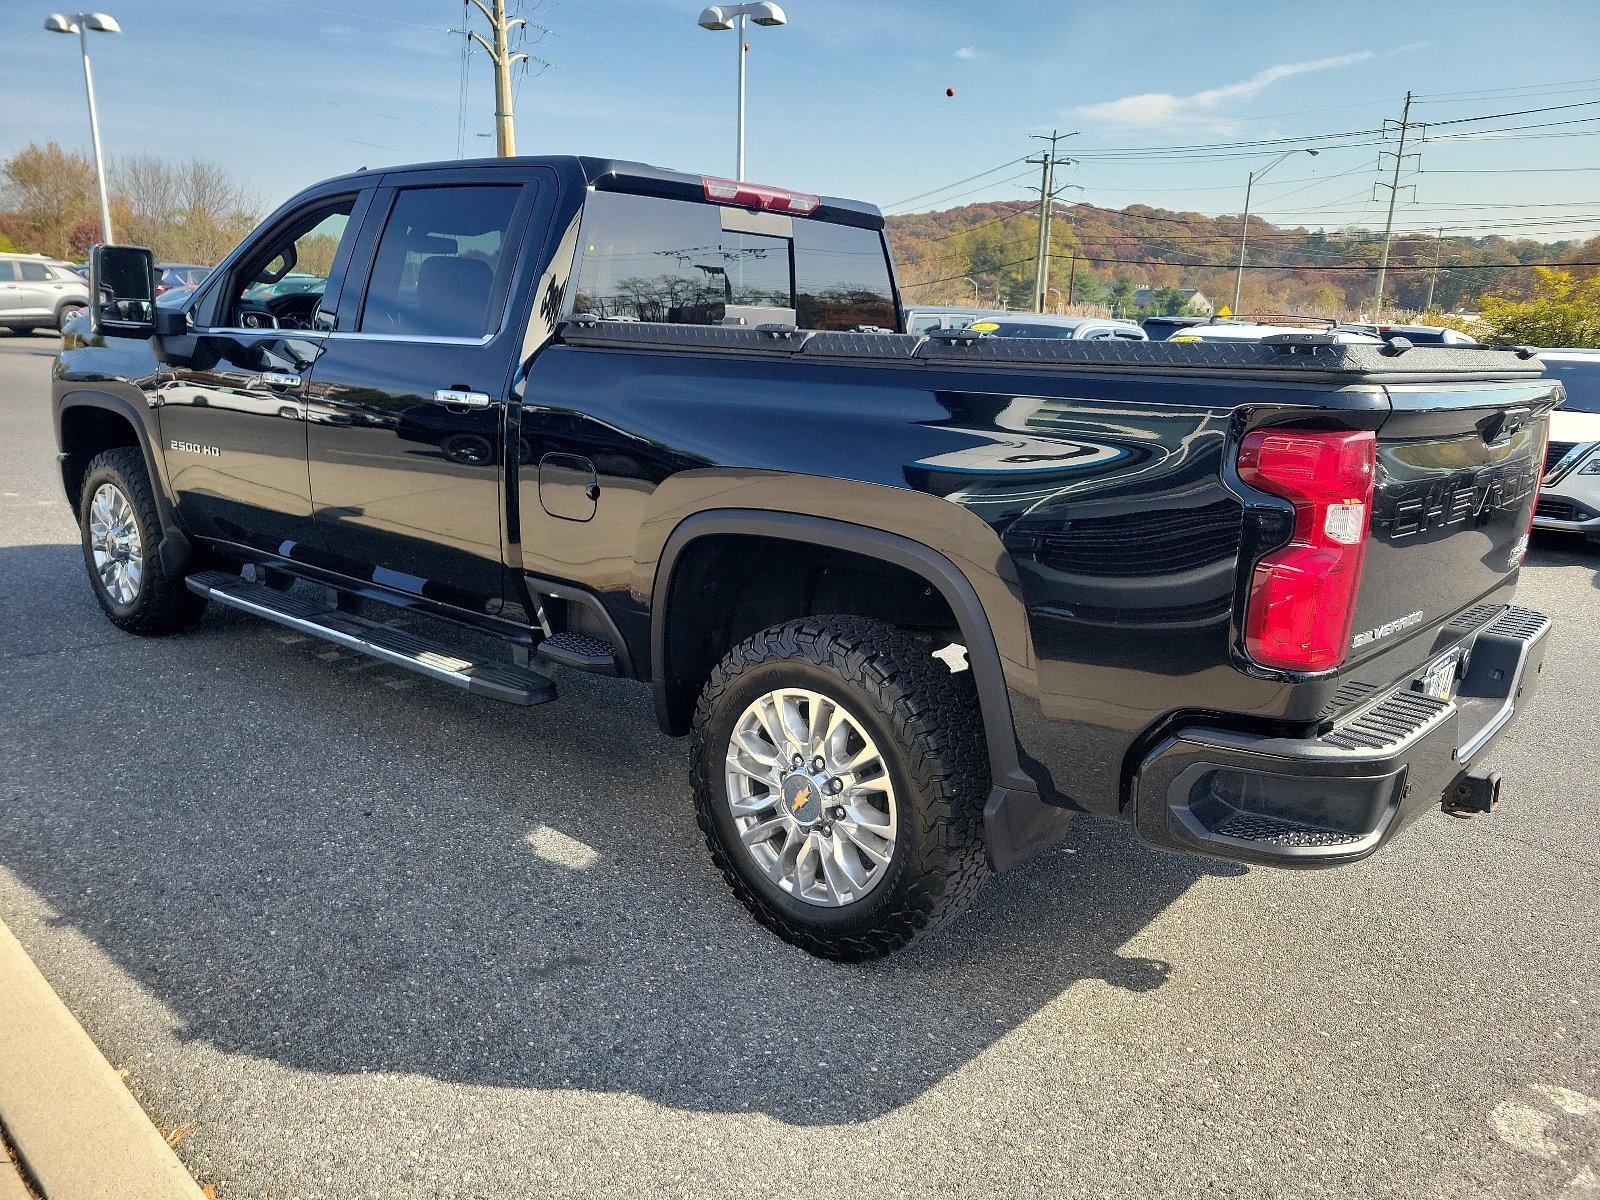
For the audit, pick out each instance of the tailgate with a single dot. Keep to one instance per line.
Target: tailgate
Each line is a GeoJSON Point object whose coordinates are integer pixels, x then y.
{"type": "Point", "coordinates": [1458, 476]}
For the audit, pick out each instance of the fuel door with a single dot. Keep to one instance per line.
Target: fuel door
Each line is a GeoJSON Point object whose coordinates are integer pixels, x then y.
{"type": "Point", "coordinates": [567, 486]}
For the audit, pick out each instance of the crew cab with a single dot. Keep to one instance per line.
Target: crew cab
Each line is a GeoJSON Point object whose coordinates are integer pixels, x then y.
{"type": "Point", "coordinates": [918, 598]}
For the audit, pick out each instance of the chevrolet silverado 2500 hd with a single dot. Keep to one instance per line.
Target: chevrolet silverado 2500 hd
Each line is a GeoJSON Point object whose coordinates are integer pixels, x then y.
{"type": "Point", "coordinates": [918, 599]}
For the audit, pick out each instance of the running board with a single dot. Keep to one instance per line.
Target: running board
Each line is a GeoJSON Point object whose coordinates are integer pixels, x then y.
{"type": "Point", "coordinates": [436, 660]}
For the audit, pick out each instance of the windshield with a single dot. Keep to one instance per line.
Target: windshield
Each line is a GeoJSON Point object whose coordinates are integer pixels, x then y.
{"type": "Point", "coordinates": [1581, 378]}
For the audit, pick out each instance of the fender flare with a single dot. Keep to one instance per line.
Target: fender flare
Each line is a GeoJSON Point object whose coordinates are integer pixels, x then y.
{"type": "Point", "coordinates": [175, 549]}
{"type": "Point", "coordinates": [1013, 811]}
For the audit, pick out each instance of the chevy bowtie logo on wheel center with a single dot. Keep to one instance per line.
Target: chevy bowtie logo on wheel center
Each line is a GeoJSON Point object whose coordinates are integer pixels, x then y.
{"type": "Point", "coordinates": [800, 797]}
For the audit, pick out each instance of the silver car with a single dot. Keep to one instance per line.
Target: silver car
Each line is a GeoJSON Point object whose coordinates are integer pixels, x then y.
{"type": "Point", "coordinates": [39, 293]}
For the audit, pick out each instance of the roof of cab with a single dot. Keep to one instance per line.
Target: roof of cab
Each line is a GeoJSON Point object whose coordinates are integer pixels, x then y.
{"type": "Point", "coordinates": [623, 175]}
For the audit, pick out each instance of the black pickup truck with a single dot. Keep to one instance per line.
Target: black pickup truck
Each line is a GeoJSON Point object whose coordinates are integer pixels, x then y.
{"type": "Point", "coordinates": [918, 599]}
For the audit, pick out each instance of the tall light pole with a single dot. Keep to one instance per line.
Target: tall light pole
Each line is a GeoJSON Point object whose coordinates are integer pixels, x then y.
{"type": "Point", "coordinates": [975, 297]}
{"type": "Point", "coordinates": [724, 16]}
{"type": "Point", "coordinates": [1244, 226]}
{"type": "Point", "coordinates": [80, 24]}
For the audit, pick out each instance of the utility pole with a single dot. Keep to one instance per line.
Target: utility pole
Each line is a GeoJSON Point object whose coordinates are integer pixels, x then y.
{"type": "Point", "coordinates": [1433, 275]}
{"type": "Point", "coordinates": [1072, 278]}
{"type": "Point", "coordinates": [500, 55]}
{"type": "Point", "coordinates": [1394, 194]}
{"type": "Point", "coordinates": [1049, 162]}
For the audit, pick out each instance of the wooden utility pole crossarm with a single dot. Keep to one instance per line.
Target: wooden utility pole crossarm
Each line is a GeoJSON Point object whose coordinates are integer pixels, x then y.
{"type": "Point", "coordinates": [501, 55]}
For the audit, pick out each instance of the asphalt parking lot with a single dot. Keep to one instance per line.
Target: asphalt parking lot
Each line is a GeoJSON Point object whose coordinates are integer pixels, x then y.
{"type": "Point", "coordinates": [355, 934]}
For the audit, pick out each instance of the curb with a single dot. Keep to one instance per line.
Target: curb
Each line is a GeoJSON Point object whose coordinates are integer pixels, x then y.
{"type": "Point", "coordinates": [74, 1123]}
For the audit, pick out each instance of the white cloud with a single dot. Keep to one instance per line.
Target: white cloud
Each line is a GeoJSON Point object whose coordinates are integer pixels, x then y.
{"type": "Point", "coordinates": [1150, 109]}
{"type": "Point", "coordinates": [970, 53]}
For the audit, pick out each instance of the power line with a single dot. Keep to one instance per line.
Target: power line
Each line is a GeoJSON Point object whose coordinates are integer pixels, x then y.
{"type": "Point", "coordinates": [934, 191]}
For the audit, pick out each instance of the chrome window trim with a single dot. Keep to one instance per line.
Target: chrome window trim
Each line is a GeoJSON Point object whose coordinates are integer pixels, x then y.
{"type": "Point", "coordinates": [199, 331]}
{"type": "Point", "coordinates": [427, 338]}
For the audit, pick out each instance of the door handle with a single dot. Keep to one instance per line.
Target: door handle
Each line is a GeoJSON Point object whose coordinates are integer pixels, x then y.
{"type": "Point", "coordinates": [456, 398]}
{"type": "Point", "coordinates": [280, 379]}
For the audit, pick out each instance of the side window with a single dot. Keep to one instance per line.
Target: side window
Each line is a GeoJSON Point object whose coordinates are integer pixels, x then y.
{"type": "Point", "coordinates": [34, 272]}
{"type": "Point", "coordinates": [8, 272]}
{"type": "Point", "coordinates": [282, 283]}
{"type": "Point", "coordinates": [645, 258]}
{"type": "Point", "coordinates": [441, 262]}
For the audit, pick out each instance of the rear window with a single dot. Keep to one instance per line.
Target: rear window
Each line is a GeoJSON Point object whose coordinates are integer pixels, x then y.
{"type": "Point", "coordinates": [650, 259]}
{"type": "Point", "coordinates": [1582, 381]}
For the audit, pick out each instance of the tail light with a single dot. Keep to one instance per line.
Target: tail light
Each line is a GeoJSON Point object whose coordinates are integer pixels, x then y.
{"type": "Point", "coordinates": [757, 195]}
{"type": "Point", "coordinates": [1303, 596]}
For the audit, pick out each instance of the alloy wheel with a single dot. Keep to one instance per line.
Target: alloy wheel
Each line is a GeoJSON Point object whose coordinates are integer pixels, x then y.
{"type": "Point", "coordinates": [115, 543]}
{"type": "Point", "coordinates": [811, 797]}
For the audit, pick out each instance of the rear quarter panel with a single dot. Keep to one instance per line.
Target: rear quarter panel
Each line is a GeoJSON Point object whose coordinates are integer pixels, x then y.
{"type": "Point", "coordinates": [1091, 512]}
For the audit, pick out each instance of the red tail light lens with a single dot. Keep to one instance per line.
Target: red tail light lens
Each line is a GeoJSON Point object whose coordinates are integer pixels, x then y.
{"type": "Point", "coordinates": [757, 195]}
{"type": "Point", "coordinates": [1302, 597]}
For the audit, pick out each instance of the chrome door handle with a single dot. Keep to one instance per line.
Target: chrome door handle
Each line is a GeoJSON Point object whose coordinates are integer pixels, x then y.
{"type": "Point", "coordinates": [280, 379]}
{"type": "Point", "coordinates": [459, 399]}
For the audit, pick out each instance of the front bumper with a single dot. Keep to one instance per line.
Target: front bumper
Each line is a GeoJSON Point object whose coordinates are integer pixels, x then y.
{"type": "Point", "coordinates": [1336, 798]}
{"type": "Point", "coordinates": [1567, 513]}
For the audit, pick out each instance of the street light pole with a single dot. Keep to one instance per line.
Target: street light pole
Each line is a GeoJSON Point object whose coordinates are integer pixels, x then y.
{"type": "Point", "coordinates": [80, 24]}
{"type": "Point", "coordinates": [1244, 226]}
{"type": "Point", "coordinates": [733, 16]}
{"type": "Point", "coordinates": [975, 297]}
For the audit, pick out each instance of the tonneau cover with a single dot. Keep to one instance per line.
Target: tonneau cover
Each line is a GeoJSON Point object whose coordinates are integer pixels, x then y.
{"type": "Point", "coordinates": [1335, 362]}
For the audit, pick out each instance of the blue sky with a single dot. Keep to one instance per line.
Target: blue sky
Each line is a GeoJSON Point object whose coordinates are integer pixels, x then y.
{"type": "Point", "coordinates": [849, 98]}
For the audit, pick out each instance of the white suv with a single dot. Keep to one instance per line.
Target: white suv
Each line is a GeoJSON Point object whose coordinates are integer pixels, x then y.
{"type": "Point", "coordinates": [1570, 496]}
{"type": "Point", "coordinates": [39, 293]}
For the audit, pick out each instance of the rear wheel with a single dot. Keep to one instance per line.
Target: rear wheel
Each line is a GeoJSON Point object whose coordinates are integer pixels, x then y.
{"type": "Point", "coordinates": [121, 528]}
{"type": "Point", "coordinates": [839, 776]}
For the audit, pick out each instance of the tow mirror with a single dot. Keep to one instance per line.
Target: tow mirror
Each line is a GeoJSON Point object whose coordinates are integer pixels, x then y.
{"type": "Point", "coordinates": [122, 290]}
{"type": "Point", "coordinates": [122, 293]}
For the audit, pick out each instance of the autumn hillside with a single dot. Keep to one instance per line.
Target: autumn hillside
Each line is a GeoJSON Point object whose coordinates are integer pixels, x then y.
{"type": "Point", "coordinates": [941, 254]}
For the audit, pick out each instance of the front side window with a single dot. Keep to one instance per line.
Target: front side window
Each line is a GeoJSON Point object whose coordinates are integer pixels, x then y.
{"type": "Point", "coordinates": [281, 284]}
{"type": "Point", "coordinates": [441, 256]}
{"type": "Point", "coordinates": [34, 272]}
{"type": "Point", "coordinates": [645, 258]}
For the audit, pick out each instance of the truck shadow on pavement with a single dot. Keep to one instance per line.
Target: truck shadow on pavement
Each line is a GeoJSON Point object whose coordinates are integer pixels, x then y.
{"type": "Point", "coordinates": [313, 858]}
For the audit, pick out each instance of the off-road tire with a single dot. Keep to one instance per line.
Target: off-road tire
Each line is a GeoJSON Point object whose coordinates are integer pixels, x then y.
{"type": "Point", "coordinates": [926, 722]}
{"type": "Point", "coordinates": [163, 604]}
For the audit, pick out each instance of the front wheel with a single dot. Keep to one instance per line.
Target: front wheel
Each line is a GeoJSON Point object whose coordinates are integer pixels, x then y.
{"type": "Point", "coordinates": [65, 315]}
{"type": "Point", "coordinates": [839, 776]}
{"type": "Point", "coordinates": [121, 528]}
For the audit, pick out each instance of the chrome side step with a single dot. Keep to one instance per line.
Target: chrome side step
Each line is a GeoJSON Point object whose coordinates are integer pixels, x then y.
{"type": "Point", "coordinates": [436, 660]}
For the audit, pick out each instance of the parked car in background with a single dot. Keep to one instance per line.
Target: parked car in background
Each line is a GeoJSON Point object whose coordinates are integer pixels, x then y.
{"type": "Point", "coordinates": [1065, 329]}
{"type": "Point", "coordinates": [1569, 496]}
{"type": "Point", "coordinates": [39, 293]}
{"type": "Point", "coordinates": [176, 275]}
{"type": "Point", "coordinates": [1248, 331]}
{"type": "Point", "coordinates": [920, 319]}
{"type": "Point", "coordinates": [1159, 329]}
{"type": "Point", "coordinates": [289, 285]}
{"type": "Point", "coordinates": [1417, 335]}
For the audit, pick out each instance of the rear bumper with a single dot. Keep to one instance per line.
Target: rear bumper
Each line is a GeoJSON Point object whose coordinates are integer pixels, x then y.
{"type": "Point", "coordinates": [1336, 798]}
